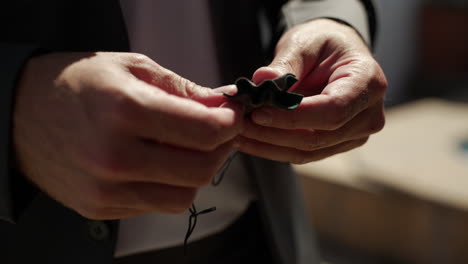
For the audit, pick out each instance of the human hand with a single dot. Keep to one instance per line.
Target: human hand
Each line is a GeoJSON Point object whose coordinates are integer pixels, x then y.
{"type": "Point", "coordinates": [115, 135]}
{"type": "Point", "coordinates": [343, 87]}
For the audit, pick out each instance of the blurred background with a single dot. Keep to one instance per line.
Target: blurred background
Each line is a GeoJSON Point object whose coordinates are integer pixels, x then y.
{"type": "Point", "coordinates": [423, 48]}
{"type": "Point", "coordinates": [403, 197]}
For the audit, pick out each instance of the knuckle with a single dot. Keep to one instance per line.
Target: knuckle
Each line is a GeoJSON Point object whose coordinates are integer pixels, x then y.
{"type": "Point", "coordinates": [142, 67]}
{"type": "Point", "coordinates": [362, 141]}
{"type": "Point", "coordinates": [138, 59]}
{"type": "Point", "coordinates": [286, 64]}
{"type": "Point", "coordinates": [170, 80]}
{"type": "Point", "coordinates": [171, 83]}
{"type": "Point", "coordinates": [338, 37]}
{"type": "Point", "coordinates": [299, 157]}
{"type": "Point", "coordinates": [378, 81]}
{"type": "Point", "coordinates": [377, 124]}
{"type": "Point", "coordinates": [189, 88]}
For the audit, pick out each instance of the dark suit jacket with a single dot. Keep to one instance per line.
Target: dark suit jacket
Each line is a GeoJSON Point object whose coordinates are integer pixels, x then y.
{"type": "Point", "coordinates": [34, 227]}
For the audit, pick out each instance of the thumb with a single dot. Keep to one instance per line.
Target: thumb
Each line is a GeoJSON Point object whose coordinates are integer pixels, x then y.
{"type": "Point", "coordinates": [287, 61]}
{"type": "Point", "coordinates": [266, 73]}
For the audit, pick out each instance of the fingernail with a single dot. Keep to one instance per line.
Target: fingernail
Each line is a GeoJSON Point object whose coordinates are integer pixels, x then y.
{"type": "Point", "coordinates": [262, 117]}
{"type": "Point", "coordinates": [265, 73]}
{"type": "Point", "coordinates": [228, 89]}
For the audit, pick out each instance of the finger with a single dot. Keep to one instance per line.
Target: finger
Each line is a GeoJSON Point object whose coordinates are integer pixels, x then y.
{"type": "Point", "coordinates": [266, 73]}
{"type": "Point", "coordinates": [170, 119]}
{"type": "Point", "coordinates": [183, 167]}
{"type": "Point", "coordinates": [145, 161]}
{"type": "Point", "coordinates": [148, 71]}
{"type": "Point", "coordinates": [340, 101]}
{"type": "Point", "coordinates": [289, 58]}
{"type": "Point", "coordinates": [364, 124]}
{"type": "Point", "coordinates": [227, 89]}
{"type": "Point", "coordinates": [285, 154]}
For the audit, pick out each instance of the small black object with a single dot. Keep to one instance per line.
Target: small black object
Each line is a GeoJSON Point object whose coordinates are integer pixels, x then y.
{"type": "Point", "coordinates": [268, 93]}
{"type": "Point", "coordinates": [193, 222]}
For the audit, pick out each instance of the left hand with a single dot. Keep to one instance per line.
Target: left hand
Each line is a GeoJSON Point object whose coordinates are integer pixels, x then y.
{"type": "Point", "coordinates": [343, 88]}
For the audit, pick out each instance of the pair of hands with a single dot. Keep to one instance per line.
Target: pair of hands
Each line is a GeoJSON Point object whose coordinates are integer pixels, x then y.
{"type": "Point", "coordinates": [114, 135]}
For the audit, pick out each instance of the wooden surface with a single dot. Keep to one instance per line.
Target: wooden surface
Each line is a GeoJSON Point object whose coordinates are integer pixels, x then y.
{"type": "Point", "coordinates": [405, 193]}
{"type": "Point", "coordinates": [420, 152]}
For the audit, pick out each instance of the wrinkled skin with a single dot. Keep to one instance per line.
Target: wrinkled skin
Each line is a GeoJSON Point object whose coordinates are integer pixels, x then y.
{"type": "Point", "coordinates": [343, 86]}
{"type": "Point", "coordinates": [114, 135]}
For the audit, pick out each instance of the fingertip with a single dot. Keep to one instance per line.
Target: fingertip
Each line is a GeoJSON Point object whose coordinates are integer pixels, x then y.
{"type": "Point", "coordinates": [266, 73]}
{"type": "Point", "coordinates": [227, 89]}
{"type": "Point", "coordinates": [215, 97]}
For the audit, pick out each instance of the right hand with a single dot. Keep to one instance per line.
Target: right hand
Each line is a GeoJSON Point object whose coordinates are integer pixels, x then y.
{"type": "Point", "coordinates": [114, 135]}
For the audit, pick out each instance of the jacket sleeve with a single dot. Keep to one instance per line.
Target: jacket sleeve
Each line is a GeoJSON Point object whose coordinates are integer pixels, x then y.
{"type": "Point", "coordinates": [358, 14]}
{"type": "Point", "coordinates": [12, 59]}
